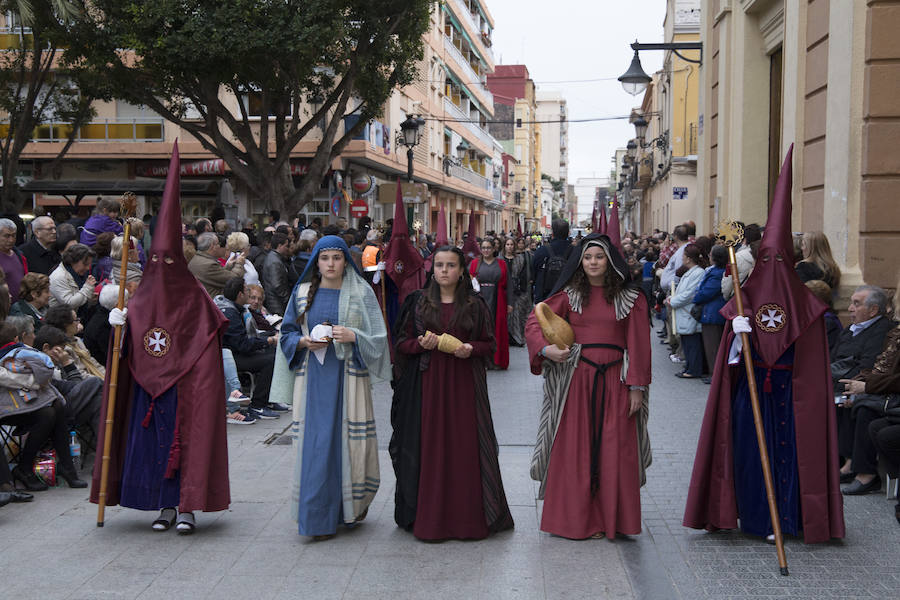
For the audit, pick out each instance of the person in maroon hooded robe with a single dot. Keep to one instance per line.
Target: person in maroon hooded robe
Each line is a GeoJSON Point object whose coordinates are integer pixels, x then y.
{"type": "Point", "coordinates": [790, 356]}
{"type": "Point", "coordinates": [169, 449]}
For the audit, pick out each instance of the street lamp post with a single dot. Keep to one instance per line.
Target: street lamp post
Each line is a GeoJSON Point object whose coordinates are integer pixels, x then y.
{"type": "Point", "coordinates": [409, 137]}
{"type": "Point", "coordinates": [635, 80]}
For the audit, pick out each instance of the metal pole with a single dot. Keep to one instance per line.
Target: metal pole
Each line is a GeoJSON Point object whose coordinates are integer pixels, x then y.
{"type": "Point", "coordinates": [409, 163]}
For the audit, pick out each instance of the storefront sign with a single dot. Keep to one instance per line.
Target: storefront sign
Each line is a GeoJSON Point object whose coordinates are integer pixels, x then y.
{"type": "Point", "coordinates": [197, 168]}
{"type": "Point", "coordinates": [204, 168]}
{"type": "Point", "coordinates": [413, 193]}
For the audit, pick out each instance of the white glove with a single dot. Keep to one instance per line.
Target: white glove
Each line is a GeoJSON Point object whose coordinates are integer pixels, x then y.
{"type": "Point", "coordinates": [741, 325]}
{"type": "Point", "coordinates": [377, 278]}
{"type": "Point", "coordinates": [117, 317]}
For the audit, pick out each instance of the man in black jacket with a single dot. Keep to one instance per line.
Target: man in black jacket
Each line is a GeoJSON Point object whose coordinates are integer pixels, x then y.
{"type": "Point", "coordinates": [253, 354]}
{"type": "Point", "coordinates": [857, 348]}
{"type": "Point", "coordinates": [40, 250]}
{"type": "Point", "coordinates": [546, 271]}
{"type": "Point", "coordinates": [277, 274]}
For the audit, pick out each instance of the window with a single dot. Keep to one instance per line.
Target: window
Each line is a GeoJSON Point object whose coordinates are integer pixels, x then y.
{"type": "Point", "coordinates": [252, 101]}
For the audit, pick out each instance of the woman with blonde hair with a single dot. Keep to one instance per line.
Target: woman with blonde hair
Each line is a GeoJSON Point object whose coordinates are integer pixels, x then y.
{"type": "Point", "coordinates": [817, 261]}
{"type": "Point", "coordinates": [238, 243]}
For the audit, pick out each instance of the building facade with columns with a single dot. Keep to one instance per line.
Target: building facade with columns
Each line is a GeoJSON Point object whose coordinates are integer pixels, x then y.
{"type": "Point", "coordinates": [823, 75]}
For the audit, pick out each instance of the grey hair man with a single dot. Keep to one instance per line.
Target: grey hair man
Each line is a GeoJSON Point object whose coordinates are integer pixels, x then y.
{"type": "Point", "coordinates": [11, 260]}
{"type": "Point", "coordinates": [206, 268]}
{"type": "Point", "coordinates": [40, 252]}
{"type": "Point", "coordinates": [858, 347]}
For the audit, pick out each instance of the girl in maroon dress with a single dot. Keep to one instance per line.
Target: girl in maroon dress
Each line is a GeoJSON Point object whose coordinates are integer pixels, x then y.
{"type": "Point", "coordinates": [592, 448]}
{"type": "Point", "coordinates": [444, 448]}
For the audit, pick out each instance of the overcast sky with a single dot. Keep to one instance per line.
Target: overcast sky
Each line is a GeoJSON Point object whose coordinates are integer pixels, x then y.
{"type": "Point", "coordinates": [567, 40]}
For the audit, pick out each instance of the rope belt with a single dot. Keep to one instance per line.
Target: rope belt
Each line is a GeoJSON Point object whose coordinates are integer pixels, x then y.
{"type": "Point", "coordinates": [597, 412]}
{"type": "Point", "coordinates": [767, 384]}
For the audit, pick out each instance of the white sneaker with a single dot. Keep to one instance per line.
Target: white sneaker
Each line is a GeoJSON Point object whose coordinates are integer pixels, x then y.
{"type": "Point", "coordinates": [676, 359]}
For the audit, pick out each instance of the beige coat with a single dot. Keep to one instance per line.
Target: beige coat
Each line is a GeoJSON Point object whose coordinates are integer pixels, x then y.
{"type": "Point", "coordinates": [211, 275]}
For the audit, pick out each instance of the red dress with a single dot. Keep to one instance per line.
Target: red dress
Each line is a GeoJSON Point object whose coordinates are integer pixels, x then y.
{"type": "Point", "coordinates": [453, 481]}
{"type": "Point", "coordinates": [570, 509]}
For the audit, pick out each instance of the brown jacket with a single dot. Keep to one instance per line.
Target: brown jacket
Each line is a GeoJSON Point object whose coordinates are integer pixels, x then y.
{"type": "Point", "coordinates": [884, 378]}
{"type": "Point", "coordinates": [211, 275]}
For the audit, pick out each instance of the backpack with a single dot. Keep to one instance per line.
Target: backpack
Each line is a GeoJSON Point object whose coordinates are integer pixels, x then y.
{"type": "Point", "coordinates": [553, 268]}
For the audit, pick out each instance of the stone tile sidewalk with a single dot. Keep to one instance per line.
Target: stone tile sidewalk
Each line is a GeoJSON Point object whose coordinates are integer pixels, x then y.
{"type": "Point", "coordinates": [52, 548]}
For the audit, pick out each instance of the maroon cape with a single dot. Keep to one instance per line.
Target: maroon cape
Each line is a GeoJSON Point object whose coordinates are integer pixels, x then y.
{"type": "Point", "coordinates": [711, 502]}
{"type": "Point", "coordinates": [174, 339]}
{"type": "Point", "coordinates": [782, 312]}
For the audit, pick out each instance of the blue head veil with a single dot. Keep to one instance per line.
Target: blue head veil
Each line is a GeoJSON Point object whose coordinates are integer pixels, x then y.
{"type": "Point", "coordinates": [329, 242]}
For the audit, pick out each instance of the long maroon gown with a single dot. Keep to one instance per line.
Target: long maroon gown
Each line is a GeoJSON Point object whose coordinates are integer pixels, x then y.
{"type": "Point", "coordinates": [570, 510]}
{"type": "Point", "coordinates": [452, 486]}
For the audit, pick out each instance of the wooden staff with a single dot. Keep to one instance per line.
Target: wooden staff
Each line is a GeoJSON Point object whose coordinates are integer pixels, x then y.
{"type": "Point", "coordinates": [128, 205]}
{"type": "Point", "coordinates": [757, 418]}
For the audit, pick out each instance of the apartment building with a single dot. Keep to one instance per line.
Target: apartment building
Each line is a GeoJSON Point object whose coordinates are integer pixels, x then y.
{"type": "Point", "coordinates": [552, 112]}
{"type": "Point", "coordinates": [456, 164]}
{"type": "Point", "coordinates": [517, 130]}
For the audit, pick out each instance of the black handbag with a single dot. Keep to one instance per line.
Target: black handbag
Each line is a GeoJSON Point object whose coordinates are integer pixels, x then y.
{"type": "Point", "coordinates": [697, 312]}
{"type": "Point", "coordinates": [878, 403]}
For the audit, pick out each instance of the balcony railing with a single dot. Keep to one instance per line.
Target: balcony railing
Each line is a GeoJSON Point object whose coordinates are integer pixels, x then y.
{"type": "Point", "coordinates": [466, 15]}
{"type": "Point", "coordinates": [15, 37]}
{"type": "Point", "coordinates": [467, 122]}
{"type": "Point", "coordinates": [470, 176]}
{"type": "Point", "coordinates": [108, 130]}
{"type": "Point", "coordinates": [472, 78]}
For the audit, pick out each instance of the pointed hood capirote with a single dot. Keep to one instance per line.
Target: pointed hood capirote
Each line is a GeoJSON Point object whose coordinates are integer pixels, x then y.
{"type": "Point", "coordinates": [780, 307]}
{"type": "Point", "coordinates": [168, 299]}
{"type": "Point", "coordinates": [612, 228]}
{"type": "Point", "coordinates": [440, 235]}
{"type": "Point", "coordinates": [601, 222]}
{"type": "Point", "coordinates": [403, 263]}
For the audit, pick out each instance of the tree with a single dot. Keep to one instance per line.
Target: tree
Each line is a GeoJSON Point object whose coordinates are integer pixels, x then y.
{"type": "Point", "coordinates": [37, 85]}
{"type": "Point", "coordinates": [239, 75]}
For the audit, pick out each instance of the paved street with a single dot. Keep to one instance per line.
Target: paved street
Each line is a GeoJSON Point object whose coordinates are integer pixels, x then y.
{"type": "Point", "coordinates": [52, 548]}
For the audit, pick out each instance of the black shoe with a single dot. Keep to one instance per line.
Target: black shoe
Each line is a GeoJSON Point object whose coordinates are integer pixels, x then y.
{"type": "Point", "coordinates": [897, 512]}
{"type": "Point", "coordinates": [848, 477]}
{"type": "Point", "coordinates": [17, 496]}
{"type": "Point", "coordinates": [858, 488]}
{"type": "Point", "coordinates": [72, 479]}
{"type": "Point", "coordinates": [28, 479]}
{"type": "Point", "coordinates": [5, 498]}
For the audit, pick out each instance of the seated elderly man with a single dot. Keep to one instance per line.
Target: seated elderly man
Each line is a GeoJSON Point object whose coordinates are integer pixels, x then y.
{"type": "Point", "coordinates": [259, 321]}
{"type": "Point", "coordinates": [857, 348]}
{"type": "Point", "coordinates": [206, 268]}
{"type": "Point", "coordinates": [40, 250]}
{"type": "Point", "coordinates": [254, 354]}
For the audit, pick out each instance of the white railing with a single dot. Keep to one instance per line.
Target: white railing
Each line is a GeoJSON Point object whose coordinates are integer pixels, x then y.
{"type": "Point", "coordinates": [101, 130]}
{"type": "Point", "coordinates": [472, 79]}
{"type": "Point", "coordinates": [467, 122]}
{"type": "Point", "coordinates": [466, 15]}
{"type": "Point", "coordinates": [470, 176]}
{"type": "Point", "coordinates": [453, 110]}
